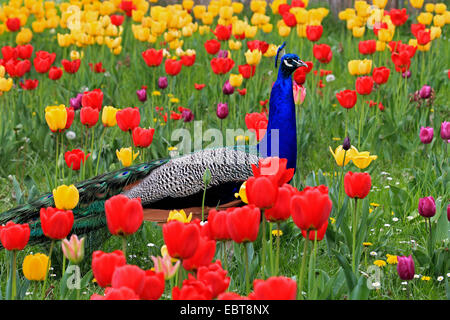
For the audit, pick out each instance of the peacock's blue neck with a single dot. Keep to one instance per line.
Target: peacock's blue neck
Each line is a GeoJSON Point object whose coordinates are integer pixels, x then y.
{"type": "Point", "coordinates": [281, 118]}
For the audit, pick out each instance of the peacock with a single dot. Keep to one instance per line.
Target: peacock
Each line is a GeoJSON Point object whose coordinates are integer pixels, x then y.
{"type": "Point", "coordinates": [176, 183]}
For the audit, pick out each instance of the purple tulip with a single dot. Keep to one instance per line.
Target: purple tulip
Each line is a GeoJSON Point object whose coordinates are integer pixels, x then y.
{"type": "Point", "coordinates": [142, 94]}
{"type": "Point", "coordinates": [346, 145]}
{"type": "Point", "coordinates": [448, 212]}
{"type": "Point", "coordinates": [405, 267]}
{"type": "Point", "coordinates": [222, 54]}
{"type": "Point", "coordinates": [426, 134]}
{"type": "Point", "coordinates": [425, 92]}
{"type": "Point", "coordinates": [75, 103]}
{"type": "Point", "coordinates": [162, 82]}
{"type": "Point", "coordinates": [227, 88]}
{"type": "Point", "coordinates": [222, 110]}
{"type": "Point", "coordinates": [187, 115]}
{"type": "Point", "coordinates": [427, 207]}
{"type": "Point", "coordinates": [445, 130]}
{"type": "Point", "coordinates": [406, 74]}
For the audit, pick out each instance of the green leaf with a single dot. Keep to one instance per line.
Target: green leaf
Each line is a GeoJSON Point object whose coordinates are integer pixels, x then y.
{"type": "Point", "coordinates": [361, 291]}
{"type": "Point", "coordinates": [348, 272]}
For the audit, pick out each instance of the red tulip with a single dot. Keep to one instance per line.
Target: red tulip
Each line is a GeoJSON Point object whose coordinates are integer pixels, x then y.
{"type": "Point", "coordinates": [14, 236]}
{"type": "Point", "coordinates": [128, 7]}
{"type": "Point", "coordinates": [416, 28]}
{"type": "Point", "coordinates": [297, 3]}
{"type": "Point", "coordinates": [182, 239]}
{"type": "Point", "coordinates": [398, 16]}
{"type": "Point", "coordinates": [29, 84]}
{"type": "Point", "coordinates": [25, 51]}
{"type": "Point", "coordinates": [311, 207]}
{"type": "Point", "coordinates": [222, 65]}
{"type": "Point", "coordinates": [242, 92]}
{"type": "Point", "coordinates": [199, 86]}
{"type": "Point", "coordinates": [283, 8]}
{"type": "Point", "coordinates": [423, 37]}
{"type": "Point", "coordinates": [215, 277]}
{"type": "Point", "coordinates": [367, 47]}
{"type": "Point", "coordinates": [258, 45]}
{"type": "Point", "coordinates": [116, 19]}
{"type": "Point", "coordinates": [129, 276]}
{"type": "Point", "coordinates": [122, 293]}
{"type": "Point", "coordinates": [173, 67]}
{"type": "Point", "coordinates": [74, 158]}
{"type": "Point", "coordinates": [89, 116]}
{"type": "Point", "coordinates": [398, 46]}
{"type": "Point", "coordinates": [320, 232]}
{"type": "Point", "coordinates": [261, 192]}
{"type": "Point", "coordinates": [243, 223]}
{"type": "Point", "coordinates": [13, 24]}
{"type": "Point", "coordinates": [56, 224]}
{"type": "Point", "coordinates": [128, 119]}
{"type": "Point", "coordinates": [43, 61]}
{"type": "Point", "coordinates": [153, 285]}
{"type": "Point", "coordinates": [9, 53]}
{"type": "Point", "coordinates": [380, 75]}
{"type": "Point", "coordinates": [289, 19]}
{"type": "Point", "coordinates": [247, 70]}
{"type": "Point", "coordinates": [379, 25]}
{"type": "Point", "coordinates": [188, 60]}
{"type": "Point", "coordinates": [55, 73]}
{"type": "Point", "coordinates": [322, 52]}
{"type": "Point", "coordinates": [124, 216]}
{"type": "Point", "coordinates": [281, 210]}
{"type": "Point", "coordinates": [143, 137]}
{"type": "Point", "coordinates": [300, 76]}
{"type": "Point", "coordinates": [257, 122]}
{"type": "Point", "coordinates": [153, 57]}
{"type": "Point", "coordinates": [275, 169]}
{"type": "Point", "coordinates": [203, 255]}
{"type": "Point", "coordinates": [402, 61]}
{"type": "Point", "coordinates": [231, 296]}
{"type": "Point", "coordinates": [192, 289]}
{"type": "Point", "coordinates": [212, 46]}
{"type": "Point", "coordinates": [222, 33]}
{"type": "Point", "coordinates": [104, 265]}
{"type": "Point", "coordinates": [357, 184]}
{"type": "Point", "coordinates": [347, 98]}
{"type": "Point", "coordinates": [364, 85]}
{"type": "Point", "coordinates": [217, 223]}
{"type": "Point", "coordinates": [70, 117]}
{"type": "Point", "coordinates": [97, 68]}
{"type": "Point", "coordinates": [71, 66]}
{"type": "Point", "coordinates": [313, 33]}
{"type": "Point", "coordinates": [93, 99]}
{"type": "Point", "coordinates": [274, 288]}
{"type": "Point", "coordinates": [17, 68]}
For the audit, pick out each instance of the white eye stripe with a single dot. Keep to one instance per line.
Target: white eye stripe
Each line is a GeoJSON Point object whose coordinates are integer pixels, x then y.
{"type": "Point", "coordinates": [287, 64]}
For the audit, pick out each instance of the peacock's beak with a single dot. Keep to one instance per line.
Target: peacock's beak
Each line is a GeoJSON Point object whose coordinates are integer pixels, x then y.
{"type": "Point", "coordinates": [300, 63]}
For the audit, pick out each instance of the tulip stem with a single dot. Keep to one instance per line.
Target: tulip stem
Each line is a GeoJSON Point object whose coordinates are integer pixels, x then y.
{"type": "Point", "coordinates": [263, 254]}
{"type": "Point", "coordinates": [277, 259]}
{"type": "Point", "coordinates": [47, 269]}
{"type": "Point", "coordinates": [13, 270]}
{"type": "Point", "coordinates": [302, 269]}
{"type": "Point", "coordinates": [124, 246]}
{"type": "Point", "coordinates": [64, 265]}
{"type": "Point", "coordinates": [354, 237]}
{"type": "Point", "coordinates": [247, 278]}
{"type": "Point", "coordinates": [56, 160]}
{"type": "Point", "coordinates": [100, 151]}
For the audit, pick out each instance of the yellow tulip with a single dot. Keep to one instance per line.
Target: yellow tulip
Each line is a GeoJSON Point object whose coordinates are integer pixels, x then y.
{"type": "Point", "coordinates": [446, 15]}
{"type": "Point", "coordinates": [237, 7]}
{"type": "Point", "coordinates": [339, 153]}
{"type": "Point", "coordinates": [284, 31]}
{"type": "Point", "coordinates": [439, 20]}
{"type": "Point", "coordinates": [56, 117]}
{"type": "Point", "coordinates": [109, 116]}
{"type": "Point", "coordinates": [362, 159]}
{"type": "Point", "coordinates": [362, 8]}
{"type": "Point", "coordinates": [381, 46]}
{"type": "Point", "coordinates": [429, 7]}
{"type": "Point", "coordinates": [66, 197]}
{"type": "Point", "coordinates": [258, 6]}
{"type": "Point", "coordinates": [236, 80]}
{"type": "Point", "coordinates": [179, 216]}
{"type": "Point", "coordinates": [425, 18]}
{"type": "Point", "coordinates": [5, 84]}
{"type": "Point", "coordinates": [207, 18]}
{"type": "Point", "coordinates": [267, 28]}
{"type": "Point", "coordinates": [75, 55]}
{"type": "Point", "coordinates": [425, 47]}
{"type": "Point", "coordinates": [125, 156]}
{"type": "Point", "coordinates": [440, 8]}
{"type": "Point", "coordinates": [226, 12]}
{"type": "Point", "coordinates": [416, 3]}
{"type": "Point", "coordinates": [385, 35]}
{"type": "Point", "coordinates": [253, 57]}
{"type": "Point", "coordinates": [271, 51]}
{"type": "Point", "coordinates": [234, 45]}
{"type": "Point", "coordinates": [301, 30]}
{"type": "Point", "coordinates": [358, 32]}
{"type": "Point", "coordinates": [435, 32]}
{"type": "Point", "coordinates": [276, 4]}
{"type": "Point", "coordinates": [117, 50]}
{"type": "Point", "coordinates": [204, 30]}
{"type": "Point", "coordinates": [347, 14]}
{"type": "Point", "coordinates": [250, 31]}
{"type": "Point", "coordinates": [380, 3]}
{"type": "Point", "coordinates": [359, 67]}
{"type": "Point", "coordinates": [24, 36]}
{"type": "Point", "coordinates": [354, 22]}
{"type": "Point", "coordinates": [199, 11]}
{"type": "Point", "coordinates": [64, 40]}
{"type": "Point", "coordinates": [242, 193]}
{"type": "Point", "coordinates": [2, 71]}
{"type": "Point", "coordinates": [35, 266]}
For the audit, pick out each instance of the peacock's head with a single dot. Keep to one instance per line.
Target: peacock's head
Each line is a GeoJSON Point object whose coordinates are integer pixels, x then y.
{"type": "Point", "coordinates": [288, 62]}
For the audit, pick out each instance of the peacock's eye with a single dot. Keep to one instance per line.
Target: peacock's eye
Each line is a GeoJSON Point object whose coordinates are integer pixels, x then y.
{"type": "Point", "coordinates": [288, 63]}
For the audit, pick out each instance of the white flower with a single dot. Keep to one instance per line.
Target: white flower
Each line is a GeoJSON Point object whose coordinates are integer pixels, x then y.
{"type": "Point", "coordinates": [150, 244]}
{"type": "Point", "coordinates": [387, 225]}
{"type": "Point", "coordinates": [404, 283]}
{"type": "Point", "coordinates": [389, 178]}
{"type": "Point", "coordinates": [448, 275]}
{"type": "Point", "coordinates": [409, 218]}
{"type": "Point", "coordinates": [440, 278]}
{"type": "Point", "coordinates": [416, 276]}
{"type": "Point", "coordinates": [330, 78]}
{"type": "Point", "coordinates": [373, 253]}
{"type": "Point", "coordinates": [376, 285]}
{"type": "Point", "coordinates": [395, 219]}
{"type": "Point", "coordinates": [71, 135]}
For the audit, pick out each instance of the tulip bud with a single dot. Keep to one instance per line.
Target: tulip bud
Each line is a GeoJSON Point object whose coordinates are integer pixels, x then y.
{"type": "Point", "coordinates": [427, 207]}
{"type": "Point", "coordinates": [222, 54]}
{"type": "Point", "coordinates": [142, 94]}
{"type": "Point", "coordinates": [406, 74]}
{"type": "Point", "coordinates": [162, 82]}
{"type": "Point", "coordinates": [74, 249]}
{"type": "Point", "coordinates": [445, 130]}
{"type": "Point", "coordinates": [426, 134]}
{"type": "Point", "coordinates": [448, 212]}
{"type": "Point", "coordinates": [75, 103]}
{"type": "Point", "coordinates": [425, 92]}
{"type": "Point", "coordinates": [227, 88]}
{"type": "Point", "coordinates": [346, 144]}
{"type": "Point", "coordinates": [405, 267]}
{"type": "Point", "coordinates": [187, 115]}
{"type": "Point", "coordinates": [222, 110]}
